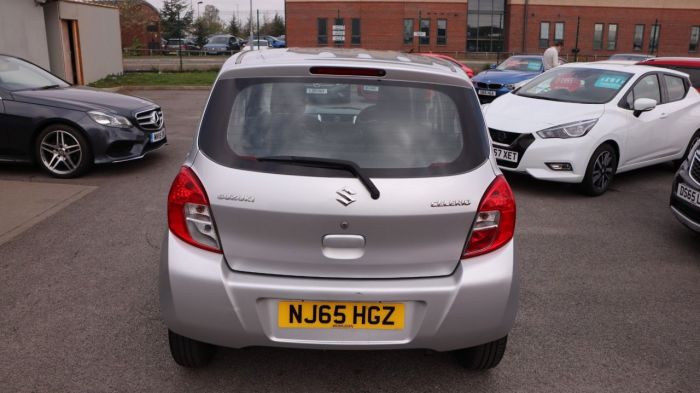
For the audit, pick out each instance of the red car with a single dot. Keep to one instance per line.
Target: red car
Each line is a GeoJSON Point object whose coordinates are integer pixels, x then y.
{"type": "Point", "coordinates": [689, 65]}
{"type": "Point", "coordinates": [461, 65]}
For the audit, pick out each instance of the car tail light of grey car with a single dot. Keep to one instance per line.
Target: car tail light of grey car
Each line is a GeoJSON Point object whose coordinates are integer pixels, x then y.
{"type": "Point", "coordinates": [189, 213]}
{"type": "Point", "coordinates": [495, 220]}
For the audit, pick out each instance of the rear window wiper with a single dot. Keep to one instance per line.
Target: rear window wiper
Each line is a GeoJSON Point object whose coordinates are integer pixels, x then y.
{"type": "Point", "coordinates": [348, 166]}
{"type": "Point", "coordinates": [48, 87]}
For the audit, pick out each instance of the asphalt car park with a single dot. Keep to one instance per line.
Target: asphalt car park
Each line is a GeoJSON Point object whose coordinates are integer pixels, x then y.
{"type": "Point", "coordinates": [609, 294]}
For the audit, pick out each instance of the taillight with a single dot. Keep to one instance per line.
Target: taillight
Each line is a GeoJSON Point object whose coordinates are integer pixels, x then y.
{"type": "Point", "coordinates": [189, 213]}
{"type": "Point", "coordinates": [495, 220]}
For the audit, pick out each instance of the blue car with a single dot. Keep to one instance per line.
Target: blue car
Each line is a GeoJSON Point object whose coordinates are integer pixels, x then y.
{"type": "Point", "coordinates": [503, 78]}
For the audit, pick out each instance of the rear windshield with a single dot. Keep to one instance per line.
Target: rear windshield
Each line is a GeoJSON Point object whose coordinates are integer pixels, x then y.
{"type": "Point", "coordinates": [389, 129]}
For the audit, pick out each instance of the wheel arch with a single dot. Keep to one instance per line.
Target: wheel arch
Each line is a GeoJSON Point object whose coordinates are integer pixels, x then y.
{"type": "Point", "coordinates": [51, 122]}
{"type": "Point", "coordinates": [614, 144]}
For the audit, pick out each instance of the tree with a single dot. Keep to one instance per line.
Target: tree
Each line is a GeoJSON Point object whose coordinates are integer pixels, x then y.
{"type": "Point", "coordinates": [234, 27]}
{"type": "Point", "coordinates": [200, 32]}
{"type": "Point", "coordinates": [211, 20]}
{"type": "Point", "coordinates": [175, 19]}
{"type": "Point", "coordinates": [276, 27]}
{"type": "Point", "coordinates": [246, 27]}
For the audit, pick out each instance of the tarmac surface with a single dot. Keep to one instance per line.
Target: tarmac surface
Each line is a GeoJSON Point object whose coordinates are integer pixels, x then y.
{"type": "Point", "coordinates": [610, 298]}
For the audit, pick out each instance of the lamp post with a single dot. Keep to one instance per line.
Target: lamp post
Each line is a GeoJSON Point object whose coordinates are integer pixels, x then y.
{"type": "Point", "coordinates": [251, 24]}
{"type": "Point", "coordinates": [198, 4]}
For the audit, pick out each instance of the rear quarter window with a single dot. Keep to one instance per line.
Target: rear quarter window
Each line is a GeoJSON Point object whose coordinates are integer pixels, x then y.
{"type": "Point", "coordinates": [390, 129]}
{"type": "Point", "coordinates": [675, 86]}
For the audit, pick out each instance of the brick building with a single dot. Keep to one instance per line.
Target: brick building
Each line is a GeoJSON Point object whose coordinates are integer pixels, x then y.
{"type": "Point", "coordinates": [139, 21]}
{"type": "Point", "coordinates": [601, 27]}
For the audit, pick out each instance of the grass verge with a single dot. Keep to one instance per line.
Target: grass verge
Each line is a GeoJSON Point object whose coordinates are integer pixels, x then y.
{"type": "Point", "coordinates": [194, 78]}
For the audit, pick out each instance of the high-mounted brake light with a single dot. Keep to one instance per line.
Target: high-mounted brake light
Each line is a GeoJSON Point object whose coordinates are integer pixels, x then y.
{"type": "Point", "coordinates": [495, 220]}
{"type": "Point", "coordinates": [350, 71]}
{"type": "Point", "coordinates": [189, 212]}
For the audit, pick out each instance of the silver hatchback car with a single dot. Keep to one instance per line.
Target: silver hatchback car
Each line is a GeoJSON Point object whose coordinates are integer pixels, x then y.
{"type": "Point", "coordinates": [340, 199]}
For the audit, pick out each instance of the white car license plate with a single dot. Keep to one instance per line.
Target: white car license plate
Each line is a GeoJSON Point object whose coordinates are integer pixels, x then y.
{"type": "Point", "coordinates": [310, 90]}
{"type": "Point", "coordinates": [157, 136]}
{"type": "Point", "coordinates": [506, 155]}
{"type": "Point", "coordinates": [487, 93]}
{"type": "Point", "coordinates": [688, 194]}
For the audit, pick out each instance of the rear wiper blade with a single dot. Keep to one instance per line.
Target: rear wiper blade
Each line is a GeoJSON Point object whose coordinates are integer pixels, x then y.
{"type": "Point", "coordinates": [344, 165]}
{"type": "Point", "coordinates": [48, 87]}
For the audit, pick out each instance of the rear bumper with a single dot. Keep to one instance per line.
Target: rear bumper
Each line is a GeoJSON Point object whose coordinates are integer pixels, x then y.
{"type": "Point", "coordinates": [203, 299]}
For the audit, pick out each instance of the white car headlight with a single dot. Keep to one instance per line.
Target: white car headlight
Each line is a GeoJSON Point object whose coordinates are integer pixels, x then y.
{"type": "Point", "coordinates": [109, 120]}
{"type": "Point", "coordinates": [569, 130]}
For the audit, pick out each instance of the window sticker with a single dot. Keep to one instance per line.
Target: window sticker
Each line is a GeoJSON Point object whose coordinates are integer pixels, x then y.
{"type": "Point", "coordinates": [534, 65]}
{"type": "Point", "coordinates": [607, 81]}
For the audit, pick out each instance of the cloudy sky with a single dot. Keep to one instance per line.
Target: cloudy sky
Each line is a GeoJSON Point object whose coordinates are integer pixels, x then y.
{"type": "Point", "coordinates": [229, 7]}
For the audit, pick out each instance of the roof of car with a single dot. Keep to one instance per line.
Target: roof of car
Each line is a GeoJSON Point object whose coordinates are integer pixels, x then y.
{"type": "Point", "coordinates": [340, 56]}
{"type": "Point", "coordinates": [619, 66]}
{"type": "Point", "coordinates": [677, 61]}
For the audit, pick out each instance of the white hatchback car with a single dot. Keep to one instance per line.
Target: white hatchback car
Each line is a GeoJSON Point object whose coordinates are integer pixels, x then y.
{"type": "Point", "coordinates": [583, 123]}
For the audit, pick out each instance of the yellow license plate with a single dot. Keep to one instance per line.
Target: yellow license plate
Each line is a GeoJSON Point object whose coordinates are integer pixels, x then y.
{"type": "Point", "coordinates": [340, 315]}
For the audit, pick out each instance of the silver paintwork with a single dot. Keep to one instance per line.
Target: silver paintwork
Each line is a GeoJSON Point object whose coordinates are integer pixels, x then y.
{"type": "Point", "coordinates": [297, 242]}
{"type": "Point", "coordinates": [203, 299]}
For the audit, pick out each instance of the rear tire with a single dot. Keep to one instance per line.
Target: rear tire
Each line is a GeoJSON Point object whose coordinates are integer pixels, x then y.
{"type": "Point", "coordinates": [188, 352]}
{"type": "Point", "coordinates": [600, 171]}
{"type": "Point", "coordinates": [482, 357]}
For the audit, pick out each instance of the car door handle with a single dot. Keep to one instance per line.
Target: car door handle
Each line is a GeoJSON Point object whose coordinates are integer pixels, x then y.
{"type": "Point", "coordinates": [663, 115]}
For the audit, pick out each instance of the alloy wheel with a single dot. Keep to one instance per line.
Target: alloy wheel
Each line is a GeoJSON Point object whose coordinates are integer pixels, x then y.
{"type": "Point", "coordinates": [60, 152]}
{"type": "Point", "coordinates": [603, 170]}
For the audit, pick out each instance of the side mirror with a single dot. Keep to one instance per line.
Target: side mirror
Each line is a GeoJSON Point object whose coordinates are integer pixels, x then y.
{"type": "Point", "coordinates": [643, 105]}
{"type": "Point", "coordinates": [492, 66]}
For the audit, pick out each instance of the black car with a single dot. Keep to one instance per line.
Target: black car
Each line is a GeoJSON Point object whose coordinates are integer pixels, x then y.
{"type": "Point", "coordinates": [685, 195]}
{"type": "Point", "coordinates": [67, 129]}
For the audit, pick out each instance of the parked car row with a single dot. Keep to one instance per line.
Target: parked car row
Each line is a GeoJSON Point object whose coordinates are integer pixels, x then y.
{"type": "Point", "coordinates": [224, 44]}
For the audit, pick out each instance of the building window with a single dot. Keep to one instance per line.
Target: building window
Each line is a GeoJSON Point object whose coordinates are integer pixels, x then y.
{"type": "Point", "coordinates": [339, 31]}
{"type": "Point", "coordinates": [485, 26]}
{"type": "Point", "coordinates": [544, 34]}
{"type": "Point", "coordinates": [442, 31]}
{"type": "Point", "coordinates": [638, 41]}
{"type": "Point", "coordinates": [408, 31]}
{"type": "Point", "coordinates": [355, 40]}
{"type": "Point", "coordinates": [598, 36]}
{"type": "Point", "coordinates": [654, 38]}
{"type": "Point", "coordinates": [558, 31]}
{"type": "Point", "coordinates": [425, 28]}
{"type": "Point", "coordinates": [322, 37]}
{"type": "Point", "coordinates": [612, 36]}
{"type": "Point", "coordinates": [694, 37]}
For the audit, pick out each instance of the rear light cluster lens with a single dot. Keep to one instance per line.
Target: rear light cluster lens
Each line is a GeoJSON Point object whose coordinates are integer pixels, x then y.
{"type": "Point", "coordinates": [495, 220]}
{"type": "Point", "coordinates": [189, 212]}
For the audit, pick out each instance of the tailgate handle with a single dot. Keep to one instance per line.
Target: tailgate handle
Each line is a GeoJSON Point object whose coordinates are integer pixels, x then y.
{"type": "Point", "coordinates": [343, 246]}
